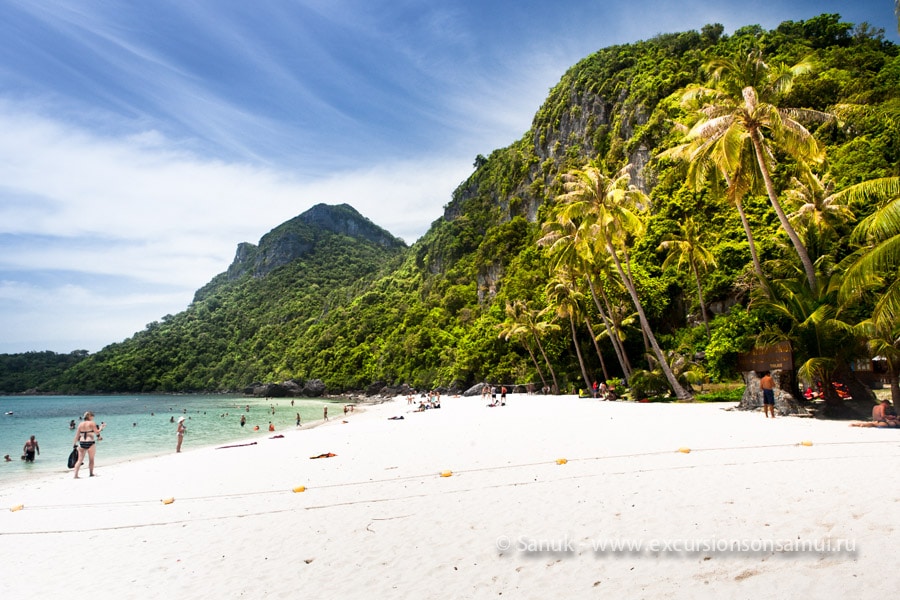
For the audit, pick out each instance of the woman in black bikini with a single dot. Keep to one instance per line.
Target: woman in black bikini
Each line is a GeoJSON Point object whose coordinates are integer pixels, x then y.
{"type": "Point", "coordinates": [84, 438]}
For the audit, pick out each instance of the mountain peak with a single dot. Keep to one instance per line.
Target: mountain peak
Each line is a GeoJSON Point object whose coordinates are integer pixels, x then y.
{"type": "Point", "coordinates": [299, 236]}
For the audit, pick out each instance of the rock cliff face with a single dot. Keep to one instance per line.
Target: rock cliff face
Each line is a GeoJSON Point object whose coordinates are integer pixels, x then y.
{"type": "Point", "coordinates": [299, 236]}
{"type": "Point", "coordinates": [586, 122]}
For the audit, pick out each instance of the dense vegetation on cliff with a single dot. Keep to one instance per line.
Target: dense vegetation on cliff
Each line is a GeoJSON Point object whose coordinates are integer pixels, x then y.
{"type": "Point", "coordinates": [511, 285]}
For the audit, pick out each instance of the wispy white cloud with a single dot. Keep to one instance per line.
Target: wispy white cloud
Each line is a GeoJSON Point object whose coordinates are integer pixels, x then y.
{"type": "Point", "coordinates": [135, 213]}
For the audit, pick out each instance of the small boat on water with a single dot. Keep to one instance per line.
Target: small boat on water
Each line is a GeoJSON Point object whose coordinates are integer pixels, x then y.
{"type": "Point", "coordinates": [9, 412]}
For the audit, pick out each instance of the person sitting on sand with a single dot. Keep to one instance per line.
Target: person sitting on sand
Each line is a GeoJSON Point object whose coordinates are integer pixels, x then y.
{"type": "Point", "coordinates": [888, 414]}
{"type": "Point", "coordinates": [880, 418]}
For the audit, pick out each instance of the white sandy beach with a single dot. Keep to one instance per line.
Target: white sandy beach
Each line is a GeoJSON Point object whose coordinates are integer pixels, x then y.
{"type": "Point", "coordinates": [379, 521]}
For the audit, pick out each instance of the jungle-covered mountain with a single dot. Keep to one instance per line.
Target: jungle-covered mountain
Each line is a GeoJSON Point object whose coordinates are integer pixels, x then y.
{"type": "Point", "coordinates": [649, 224]}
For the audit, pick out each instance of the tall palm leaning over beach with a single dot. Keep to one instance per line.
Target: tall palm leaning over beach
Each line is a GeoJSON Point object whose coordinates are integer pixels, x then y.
{"type": "Point", "coordinates": [563, 295]}
{"type": "Point", "coordinates": [708, 163]}
{"type": "Point", "coordinates": [609, 208]}
{"type": "Point", "coordinates": [738, 116]}
{"type": "Point", "coordinates": [568, 249]}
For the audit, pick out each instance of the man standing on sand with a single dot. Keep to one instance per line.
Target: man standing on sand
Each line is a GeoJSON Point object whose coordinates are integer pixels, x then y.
{"type": "Point", "coordinates": [767, 384]}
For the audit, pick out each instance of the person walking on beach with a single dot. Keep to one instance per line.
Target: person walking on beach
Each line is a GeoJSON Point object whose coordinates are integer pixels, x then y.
{"type": "Point", "coordinates": [31, 446]}
{"type": "Point", "coordinates": [767, 384]}
{"type": "Point", "coordinates": [179, 432]}
{"type": "Point", "coordinates": [84, 439]}
{"type": "Point", "coordinates": [298, 419]}
{"type": "Point", "coordinates": [325, 412]}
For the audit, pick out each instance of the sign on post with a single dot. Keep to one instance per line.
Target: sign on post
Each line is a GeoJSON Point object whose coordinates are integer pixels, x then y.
{"type": "Point", "coordinates": [777, 357]}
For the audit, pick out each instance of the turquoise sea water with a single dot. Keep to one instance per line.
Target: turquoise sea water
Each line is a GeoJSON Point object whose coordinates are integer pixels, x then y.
{"type": "Point", "coordinates": [138, 426]}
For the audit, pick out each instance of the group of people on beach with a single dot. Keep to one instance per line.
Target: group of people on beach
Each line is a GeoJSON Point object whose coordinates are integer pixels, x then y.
{"type": "Point", "coordinates": [491, 390]}
{"type": "Point", "coordinates": [428, 401]}
{"type": "Point", "coordinates": [604, 391]}
{"type": "Point", "coordinates": [29, 450]}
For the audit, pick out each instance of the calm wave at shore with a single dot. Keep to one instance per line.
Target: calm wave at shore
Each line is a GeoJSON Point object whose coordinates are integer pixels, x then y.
{"type": "Point", "coordinates": [139, 426]}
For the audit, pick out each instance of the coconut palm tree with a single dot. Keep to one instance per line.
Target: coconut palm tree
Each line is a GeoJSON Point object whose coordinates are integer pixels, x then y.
{"type": "Point", "coordinates": [739, 117]}
{"type": "Point", "coordinates": [709, 162]}
{"type": "Point", "coordinates": [532, 321]}
{"type": "Point", "coordinates": [687, 249]}
{"type": "Point", "coordinates": [568, 248]}
{"type": "Point", "coordinates": [883, 339]}
{"type": "Point", "coordinates": [815, 324]}
{"type": "Point", "coordinates": [567, 300]}
{"type": "Point", "coordinates": [877, 262]}
{"type": "Point", "coordinates": [817, 213]}
{"type": "Point", "coordinates": [609, 209]}
{"type": "Point", "coordinates": [515, 327]}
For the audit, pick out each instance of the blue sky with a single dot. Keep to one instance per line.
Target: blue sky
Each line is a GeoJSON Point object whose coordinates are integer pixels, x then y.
{"type": "Point", "coordinates": [142, 141]}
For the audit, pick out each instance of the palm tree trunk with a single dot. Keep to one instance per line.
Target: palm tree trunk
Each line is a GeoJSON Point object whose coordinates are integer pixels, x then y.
{"type": "Point", "coordinates": [894, 383]}
{"type": "Point", "coordinates": [617, 342]}
{"type": "Point", "coordinates": [590, 329]}
{"type": "Point", "coordinates": [536, 365]}
{"type": "Point", "coordinates": [808, 266]}
{"type": "Point", "coordinates": [549, 366]}
{"type": "Point", "coordinates": [610, 330]}
{"type": "Point", "coordinates": [754, 256]}
{"type": "Point", "coordinates": [700, 297]}
{"type": "Point", "coordinates": [587, 380]}
{"type": "Point", "coordinates": [680, 392]}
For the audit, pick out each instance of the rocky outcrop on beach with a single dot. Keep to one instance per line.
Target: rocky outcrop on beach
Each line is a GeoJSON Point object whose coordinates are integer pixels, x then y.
{"type": "Point", "coordinates": [785, 402]}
